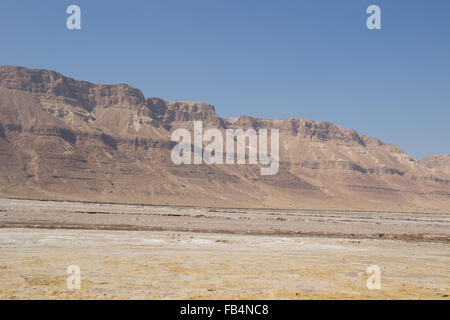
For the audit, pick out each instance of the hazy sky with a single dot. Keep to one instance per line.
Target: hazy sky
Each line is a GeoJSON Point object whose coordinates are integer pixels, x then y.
{"type": "Point", "coordinates": [274, 59]}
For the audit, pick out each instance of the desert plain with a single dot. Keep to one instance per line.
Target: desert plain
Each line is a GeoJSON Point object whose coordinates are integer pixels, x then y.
{"type": "Point", "coordinates": [168, 252]}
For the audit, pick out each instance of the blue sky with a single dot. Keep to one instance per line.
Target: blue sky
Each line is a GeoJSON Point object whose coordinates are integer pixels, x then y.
{"type": "Point", "coordinates": [274, 59]}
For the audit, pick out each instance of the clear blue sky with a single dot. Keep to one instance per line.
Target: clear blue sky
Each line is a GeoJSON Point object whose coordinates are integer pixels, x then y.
{"type": "Point", "coordinates": [274, 59]}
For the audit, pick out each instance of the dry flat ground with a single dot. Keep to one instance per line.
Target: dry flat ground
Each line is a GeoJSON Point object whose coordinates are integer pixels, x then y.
{"type": "Point", "coordinates": [127, 251]}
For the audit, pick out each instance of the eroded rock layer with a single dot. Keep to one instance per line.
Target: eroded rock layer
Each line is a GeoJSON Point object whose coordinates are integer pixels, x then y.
{"type": "Point", "coordinates": [66, 139]}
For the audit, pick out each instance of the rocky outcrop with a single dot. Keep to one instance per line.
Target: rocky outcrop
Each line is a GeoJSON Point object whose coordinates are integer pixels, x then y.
{"type": "Point", "coordinates": [440, 163]}
{"type": "Point", "coordinates": [66, 139]}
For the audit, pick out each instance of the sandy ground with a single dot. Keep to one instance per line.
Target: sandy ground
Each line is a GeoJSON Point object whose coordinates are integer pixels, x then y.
{"type": "Point", "coordinates": [232, 254]}
{"type": "Point", "coordinates": [75, 215]}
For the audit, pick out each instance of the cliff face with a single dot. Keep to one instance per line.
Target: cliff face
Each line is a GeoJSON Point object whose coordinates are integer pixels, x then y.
{"type": "Point", "coordinates": [439, 163]}
{"type": "Point", "coordinates": [67, 139]}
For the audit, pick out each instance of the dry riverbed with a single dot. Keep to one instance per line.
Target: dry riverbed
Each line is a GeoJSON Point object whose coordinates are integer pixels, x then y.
{"type": "Point", "coordinates": [143, 252]}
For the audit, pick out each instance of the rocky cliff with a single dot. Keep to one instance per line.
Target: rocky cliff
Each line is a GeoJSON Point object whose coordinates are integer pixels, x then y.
{"type": "Point", "coordinates": [66, 139]}
{"type": "Point", "coordinates": [439, 163]}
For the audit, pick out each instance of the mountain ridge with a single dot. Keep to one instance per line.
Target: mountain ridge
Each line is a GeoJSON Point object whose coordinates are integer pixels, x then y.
{"type": "Point", "coordinates": [76, 140]}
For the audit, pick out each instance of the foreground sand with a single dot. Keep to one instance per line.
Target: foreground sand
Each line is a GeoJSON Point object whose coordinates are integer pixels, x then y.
{"type": "Point", "coordinates": [197, 265]}
{"type": "Point", "coordinates": [163, 265]}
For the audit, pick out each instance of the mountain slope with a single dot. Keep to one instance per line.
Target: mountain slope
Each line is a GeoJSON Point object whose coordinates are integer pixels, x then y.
{"type": "Point", "coordinates": [439, 163]}
{"type": "Point", "coordinates": [66, 139]}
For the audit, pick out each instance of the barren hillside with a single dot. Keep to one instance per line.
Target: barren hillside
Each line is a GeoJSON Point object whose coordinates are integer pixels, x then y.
{"type": "Point", "coordinates": [440, 163]}
{"type": "Point", "coordinates": [66, 139]}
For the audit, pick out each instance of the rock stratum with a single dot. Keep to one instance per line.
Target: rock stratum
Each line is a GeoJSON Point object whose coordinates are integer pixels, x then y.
{"type": "Point", "coordinates": [64, 139]}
